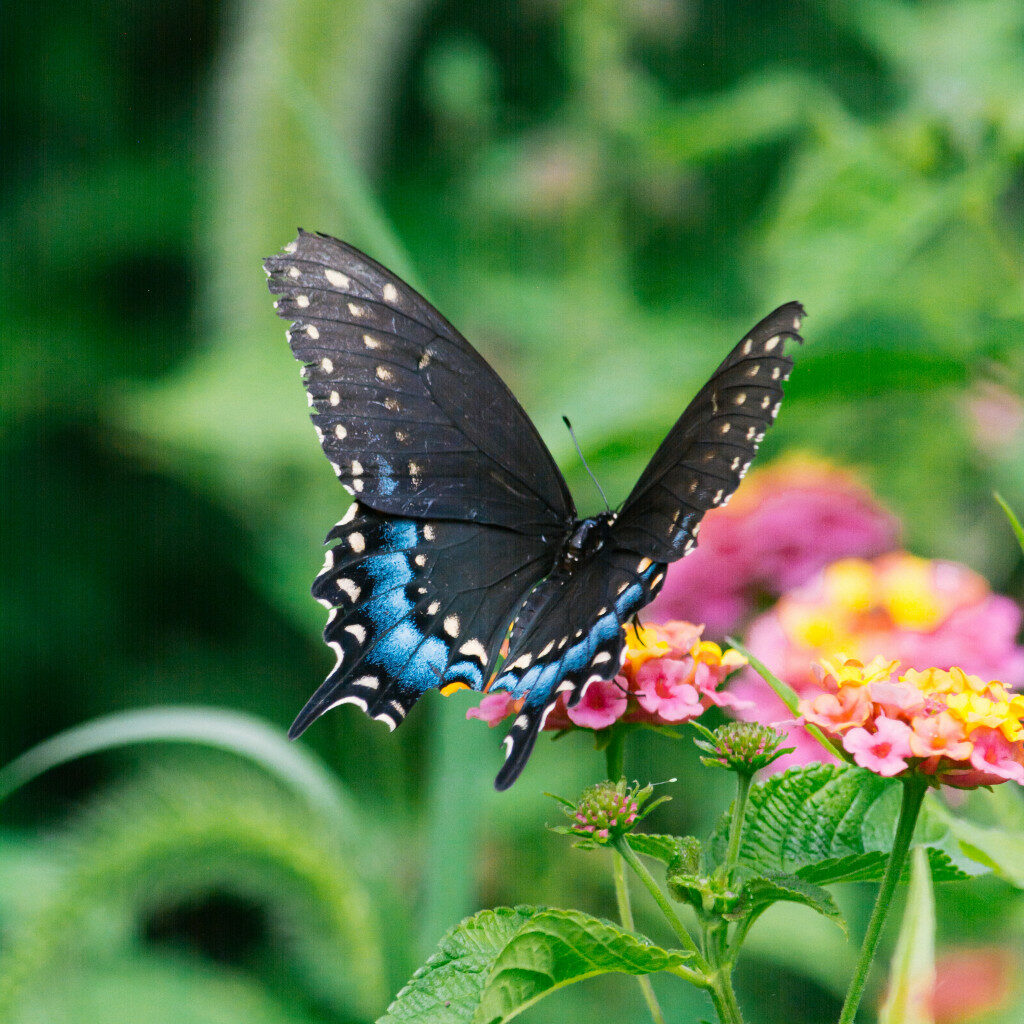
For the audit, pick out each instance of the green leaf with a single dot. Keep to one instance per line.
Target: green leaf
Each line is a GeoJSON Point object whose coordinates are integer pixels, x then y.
{"type": "Point", "coordinates": [1018, 530]}
{"type": "Point", "coordinates": [758, 894]}
{"type": "Point", "coordinates": [912, 977]}
{"type": "Point", "coordinates": [494, 965]}
{"type": "Point", "coordinates": [997, 848]}
{"type": "Point", "coordinates": [825, 823]}
{"type": "Point", "coordinates": [663, 848]}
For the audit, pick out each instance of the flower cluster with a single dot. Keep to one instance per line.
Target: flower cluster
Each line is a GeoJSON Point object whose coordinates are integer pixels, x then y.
{"type": "Point", "coordinates": [939, 722]}
{"type": "Point", "coordinates": [920, 612]}
{"type": "Point", "coordinates": [782, 526]}
{"type": "Point", "coordinates": [606, 811]}
{"type": "Point", "coordinates": [669, 675]}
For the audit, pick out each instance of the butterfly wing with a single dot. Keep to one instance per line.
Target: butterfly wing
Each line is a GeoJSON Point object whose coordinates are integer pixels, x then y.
{"type": "Point", "coordinates": [415, 604]}
{"type": "Point", "coordinates": [567, 635]}
{"type": "Point", "coordinates": [413, 419]}
{"type": "Point", "coordinates": [460, 508]}
{"type": "Point", "coordinates": [706, 454]}
{"type": "Point", "coordinates": [569, 631]}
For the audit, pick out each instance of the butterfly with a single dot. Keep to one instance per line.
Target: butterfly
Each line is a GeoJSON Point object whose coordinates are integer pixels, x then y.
{"type": "Point", "coordinates": [462, 561]}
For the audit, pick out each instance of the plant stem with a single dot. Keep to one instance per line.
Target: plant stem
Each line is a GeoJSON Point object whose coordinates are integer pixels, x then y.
{"type": "Point", "coordinates": [615, 757]}
{"type": "Point", "coordinates": [626, 916]}
{"type": "Point", "coordinates": [615, 753]}
{"type": "Point", "coordinates": [739, 809]}
{"type": "Point", "coordinates": [914, 789]}
{"type": "Point", "coordinates": [628, 855]}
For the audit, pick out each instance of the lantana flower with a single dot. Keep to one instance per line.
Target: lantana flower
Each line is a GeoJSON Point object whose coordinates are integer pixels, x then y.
{"type": "Point", "coordinates": [947, 723]}
{"type": "Point", "coordinates": [923, 613]}
{"type": "Point", "coordinates": [781, 527]}
{"type": "Point", "coordinates": [668, 675]}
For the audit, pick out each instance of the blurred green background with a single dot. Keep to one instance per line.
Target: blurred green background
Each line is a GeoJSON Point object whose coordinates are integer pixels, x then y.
{"type": "Point", "coordinates": [603, 196]}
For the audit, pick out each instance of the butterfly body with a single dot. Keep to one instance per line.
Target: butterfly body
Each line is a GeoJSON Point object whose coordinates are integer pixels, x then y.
{"type": "Point", "coordinates": [463, 533]}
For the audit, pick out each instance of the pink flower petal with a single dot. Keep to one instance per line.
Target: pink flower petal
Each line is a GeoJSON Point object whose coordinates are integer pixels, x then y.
{"type": "Point", "coordinates": [603, 702]}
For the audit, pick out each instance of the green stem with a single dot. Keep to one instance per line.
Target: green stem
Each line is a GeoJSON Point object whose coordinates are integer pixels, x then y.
{"type": "Point", "coordinates": [914, 789]}
{"type": "Point", "coordinates": [615, 753]}
{"type": "Point", "coordinates": [630, 857]}
{"type": "Point", "coordinates": [626, 916]}
{"type": "Point", "coordinates": [615, 756]}
{"type": "Point", "coordinates": [739, 810]}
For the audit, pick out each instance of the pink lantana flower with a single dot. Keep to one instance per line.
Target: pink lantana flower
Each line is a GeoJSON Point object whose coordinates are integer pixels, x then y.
{"type": "Point", "coordinates": [884, 751]}
{"type": "Point", "coordinates": [665, 687]}
{"type": "Point", "coordinates": [783, 525]}
{"type": "Point", "coordinates": [668, 675]}
{"type": "Point", "coordinates": [957, 727]}
{"type": "Point", "coordinates": [925, 613]}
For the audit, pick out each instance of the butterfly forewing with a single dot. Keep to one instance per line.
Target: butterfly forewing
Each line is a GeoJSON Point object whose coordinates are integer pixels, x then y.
{"type": "Point", "coordinates": [702, 460]}
{"type": "Point", "coordinates": [414, 421]}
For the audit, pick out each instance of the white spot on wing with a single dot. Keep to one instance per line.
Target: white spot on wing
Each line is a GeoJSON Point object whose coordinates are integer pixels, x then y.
{"type": "Point", "coordinates": [302, 301]}
{"type": "Point", "coordinates": [335, 398]}
{"type": "Point", "coordinates": [340, 432]}
{"type": "Point", "coordinates": [434, 607]}
{"type": "Point", "coordinates": [370, 341]}
{"type": "Point", "coordinates": [357, 468]}
{"type": "Point", "coordinates": [357, 542]}
{"type": "Point", "coordinates": [312, 331]}
{"type": "Point", "coordinates": [359, 632]}
{"type": "Point", "coordinates": [356, 310]}
{"type": "Point", "coordinates": [350, 588]}
{"type": "Point", "coordinates": [351, 699]}
{"type": "Point", "coordinates": [384, 374]}
{"type": "Point", "coordinates": [452, 626]}
{"type": "Point", "coordinates": [390, 292]}
{"type": "Point", "coordinates": [327, 365]}
{"type": "Point", "coordinates": [337, 278]}
{"type": "Point", "coordinates": [367, 682]}
{"type": "Point", "coordinates": [429, 532]}
{"type": "Point", "coordinates": [474, 649]}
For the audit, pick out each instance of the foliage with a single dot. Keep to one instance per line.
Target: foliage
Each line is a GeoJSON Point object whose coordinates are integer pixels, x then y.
{"type": "Point", "coordinates": [601, 196]}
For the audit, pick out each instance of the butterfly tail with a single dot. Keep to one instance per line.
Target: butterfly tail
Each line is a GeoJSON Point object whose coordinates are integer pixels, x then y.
{"type": "Point", "coordinates": [519, 743]}
{"type": "Point", "coordinates": [389, 705]}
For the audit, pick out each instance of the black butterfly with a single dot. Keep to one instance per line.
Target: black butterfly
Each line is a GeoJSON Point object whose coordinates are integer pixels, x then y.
{"type": "Point", "coordinates": [463, 528]}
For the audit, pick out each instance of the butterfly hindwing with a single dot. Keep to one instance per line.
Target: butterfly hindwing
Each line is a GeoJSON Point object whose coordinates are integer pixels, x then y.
{"type": "Point", "coordinates": [706, 454]}
{"type": "Point", "coordinates": [398, 395]}
{"type": "Point", "coordinates": [415, 604]}
{"type": "Point", "coordinates": [555, 650]}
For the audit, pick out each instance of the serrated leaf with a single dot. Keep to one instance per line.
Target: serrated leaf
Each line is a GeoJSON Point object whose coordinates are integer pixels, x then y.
{"type": "Point", "coordinates": [825, 823]}
{"type": "Point", "coordinates": [494, 965]}
{"type": "Point", "coordinates": [663, 848]}
{"type": "Point", "coordinates": [758, 894]}
{"type": "Point", "coordinates": [912, 976]}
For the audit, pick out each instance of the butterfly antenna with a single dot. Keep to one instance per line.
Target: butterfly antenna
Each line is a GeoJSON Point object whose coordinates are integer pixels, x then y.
{"type": "Point", "coordinates": [579, 451]}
